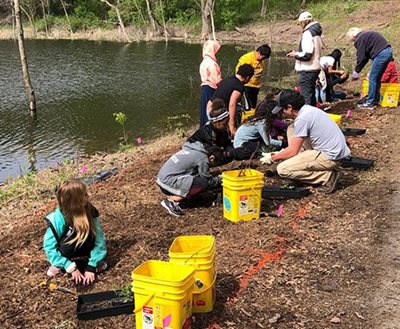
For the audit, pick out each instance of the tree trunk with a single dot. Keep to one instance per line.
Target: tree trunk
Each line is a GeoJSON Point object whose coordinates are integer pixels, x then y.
{"type": "Point", "coordinates": [264, 7]}
{"type": "Point", "coordinates": [120, 22]}
{"type": "Point", "coordinates": [67, 17]}
{"type": "Point", "coordinates": [303, 4]}
{"type": "Point", "coordinates": [30, 17]}
{"type": "Point", "coordinates": [151, 17]}
{"type": "Point", "coordinates": [22, 53]}
{"type": "Point", "coordinates": [207, 19]}
{"type": "Point", "coordinates": [163, 19]}
{"type": "Point", "coordinates": [44, 17]}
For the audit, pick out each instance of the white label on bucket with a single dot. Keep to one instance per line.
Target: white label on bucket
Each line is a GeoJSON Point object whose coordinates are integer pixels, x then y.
{"type": "Point", "coordinates": [247, 204]}
{"type": "Point", "coordinates": [147, 318]}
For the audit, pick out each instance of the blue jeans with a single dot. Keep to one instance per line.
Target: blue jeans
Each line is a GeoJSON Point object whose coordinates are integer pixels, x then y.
{"type": "Point", "coordinates": [206, 93]}
{"type": "Point", "coordinates": [378, 67]}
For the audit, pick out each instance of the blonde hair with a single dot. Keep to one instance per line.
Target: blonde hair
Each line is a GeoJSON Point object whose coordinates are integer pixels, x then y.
{"type": "Point", "coordinates": [73, 201]}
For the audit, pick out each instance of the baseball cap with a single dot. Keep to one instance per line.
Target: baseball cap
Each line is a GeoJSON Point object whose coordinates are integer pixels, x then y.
{"type": "Point", "coordinates": [284, 98]}
{"type": "Point", "coordinates": [304, 16]}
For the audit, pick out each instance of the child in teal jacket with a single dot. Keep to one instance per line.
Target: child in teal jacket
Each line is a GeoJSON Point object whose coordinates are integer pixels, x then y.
{"type": "Point", "coordinates": [74, 233]}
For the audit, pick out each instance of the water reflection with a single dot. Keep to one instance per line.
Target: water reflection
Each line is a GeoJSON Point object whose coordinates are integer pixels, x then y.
{"type": "Point", "coordinates": [80, 84]}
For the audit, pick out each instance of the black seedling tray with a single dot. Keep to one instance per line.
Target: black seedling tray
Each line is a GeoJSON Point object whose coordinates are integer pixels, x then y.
{"type": "Point", "coordinates": [103, 304]}
{"type": "Point", "coordinates": [278, 192]}
{"type": "Point", "coordinates": [358, 163]}
{"type": "Point", "coordinates": [353, 131]}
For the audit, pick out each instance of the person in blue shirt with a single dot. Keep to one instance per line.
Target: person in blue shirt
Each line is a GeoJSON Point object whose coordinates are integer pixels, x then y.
{"type": "Point", "coordinates": [74, 234]}
{"type": "Point", "coordinates": [255, 134]}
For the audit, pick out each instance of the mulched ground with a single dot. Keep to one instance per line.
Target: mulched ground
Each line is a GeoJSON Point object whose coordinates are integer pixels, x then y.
{"type": "Point", "coordinates": [317, 266]}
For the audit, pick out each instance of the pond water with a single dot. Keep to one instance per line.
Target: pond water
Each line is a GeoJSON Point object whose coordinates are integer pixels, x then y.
{"type": "Point", "coordinates": [80, 84]}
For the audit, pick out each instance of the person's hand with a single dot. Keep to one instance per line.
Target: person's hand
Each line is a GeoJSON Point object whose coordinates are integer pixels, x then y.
{"type": "Point", "coordinates": [354, 75]}
{"type": "Point", "coordinates": [88, 277]}
{"type": "Point", "coordinates": [232, 129]}
{"type": "Point", "coordinates": [77, 276]}
{"type": "Point", "coordinates": [267, 158]}
{"type": "Point", "coordinates": [291, 54]}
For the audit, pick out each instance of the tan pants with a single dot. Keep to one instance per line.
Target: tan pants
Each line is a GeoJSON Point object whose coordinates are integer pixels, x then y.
{"type": "Point", "coordinates": [309, 166]}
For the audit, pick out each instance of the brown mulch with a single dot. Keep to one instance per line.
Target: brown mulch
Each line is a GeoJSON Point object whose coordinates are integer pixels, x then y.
{"type": "Point", "coordinates": [316, 263]}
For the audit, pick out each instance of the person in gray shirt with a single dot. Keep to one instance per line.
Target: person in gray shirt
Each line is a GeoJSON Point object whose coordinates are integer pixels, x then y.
{"type": "Point", "coordinates": [186, 173]}
{"type": "Point", "coordinates": [316, 144]}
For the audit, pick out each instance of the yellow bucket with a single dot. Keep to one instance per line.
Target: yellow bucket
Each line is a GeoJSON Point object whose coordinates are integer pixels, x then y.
{"type": "Point", "coordinates": [199, 252]}
{"type": "Point", "coordinates": [336, 117]}
{"type": "Point", "coordinates": [163, 295]}
{"type": "Point", "coordinates": [247, 114]}
{"type": "Point", "coordinates": [389, 93]}
{"type": "Point", "coordinates": [242, 194]}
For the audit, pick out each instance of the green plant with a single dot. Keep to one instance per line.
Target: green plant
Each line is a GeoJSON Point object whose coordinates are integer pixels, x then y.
{"type": "Point", "coordinates": [121, 118]}
{"type": "Point", "coordinates": [177, 123]}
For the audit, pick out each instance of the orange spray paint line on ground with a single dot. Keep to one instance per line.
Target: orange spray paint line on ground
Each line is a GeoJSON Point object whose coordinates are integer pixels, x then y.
{"type": "Point", "coordinates": [301, 214]}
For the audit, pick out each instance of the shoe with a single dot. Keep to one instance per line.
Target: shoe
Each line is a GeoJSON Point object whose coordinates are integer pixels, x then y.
{"type": "Point", "coordinates": [101, 267]}
{"type": "Point", "coordinates": [366, 106]}
{"type": "Point", "coordinates": [172, 207]}
{"type": "Point", "coordinates": [53, 271]}
{"type": "Point", "coordinates": [331, 184]}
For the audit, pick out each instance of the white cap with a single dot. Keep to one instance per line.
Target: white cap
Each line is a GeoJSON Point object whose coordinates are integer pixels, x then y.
{"type": "Point", "coordinates": [305, 16]}
{"type": "Point", "coordinates": [353, 32]}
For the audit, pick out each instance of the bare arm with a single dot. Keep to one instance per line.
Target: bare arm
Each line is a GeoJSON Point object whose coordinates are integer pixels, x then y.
{"type": "Point", "coordinates": [292, 150]}
{"type": "Point", "coordinates": [234, 100]}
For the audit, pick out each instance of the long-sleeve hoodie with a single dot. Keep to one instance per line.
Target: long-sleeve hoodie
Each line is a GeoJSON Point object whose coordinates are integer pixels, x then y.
{"type": "Point", "coordinates": [258, 66]}
{"type": "Point", "coordinates": [310, 48]}
{"type": "Point", "coordinates": [210, 72]}
{"type": "Point", "coordinates": [177, 174]}
{"type": "Point", "coordinates": [97, 254]}
{"type": "Point", "coordinates": [368, 44]}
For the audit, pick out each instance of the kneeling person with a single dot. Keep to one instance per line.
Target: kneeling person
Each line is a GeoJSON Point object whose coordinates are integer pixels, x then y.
{"type": "Point", "coordinates": [316, 144]}
{"type": "Point", "coordinates": [186, 174]}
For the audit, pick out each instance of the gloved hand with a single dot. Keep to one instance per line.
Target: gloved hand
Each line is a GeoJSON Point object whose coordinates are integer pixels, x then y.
{"type": "Point", "coordinates": [267, 158]}
{"type": "Point", "coordinates": [354, 75]}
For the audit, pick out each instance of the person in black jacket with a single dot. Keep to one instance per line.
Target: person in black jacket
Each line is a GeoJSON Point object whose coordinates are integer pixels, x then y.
{"type": "Point", "coordinates": [371, 45]}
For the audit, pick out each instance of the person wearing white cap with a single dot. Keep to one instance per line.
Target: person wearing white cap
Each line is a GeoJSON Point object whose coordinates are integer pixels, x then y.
{"type": "Point", "coordinates": [371, 45]}
{"type": "Point", "coordinates": [316, 144]}
{"type": "Point", "coordinates": [307, 56]}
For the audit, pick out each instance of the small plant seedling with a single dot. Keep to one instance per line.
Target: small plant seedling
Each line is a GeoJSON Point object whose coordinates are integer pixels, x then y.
{"type": "Point", "coordinates": [121, 118]}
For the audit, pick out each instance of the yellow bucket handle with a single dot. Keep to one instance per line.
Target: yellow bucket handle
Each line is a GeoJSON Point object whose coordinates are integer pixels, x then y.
{"type": "Point", "coordinates": [206, 288]}
{"type": "Point", "coordinates": [138, 309]}
{"type": "Point", "coordinates": [195, 253]}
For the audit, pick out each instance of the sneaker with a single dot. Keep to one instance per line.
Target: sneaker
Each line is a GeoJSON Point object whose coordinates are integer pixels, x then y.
{"type": "Point", "coordinates": [366, 106]}
{"type": "Point", "coordinates": [53, 271]}
{"type": "Point", "coordinates": [172, 207]}
{"type": "Point", "coordinates": [331, 184]}
{"type": "Point", "coordinates": [101, 267]}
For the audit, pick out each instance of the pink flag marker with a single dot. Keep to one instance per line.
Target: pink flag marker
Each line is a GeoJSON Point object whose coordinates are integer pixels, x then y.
{"type": "Point", "coordinates": [139, 140]}
{"type": "Point", "coordinates": [83, 170]}
{"type": "Point", "coordinates": [348, 114]}
{"type": "Point", "coordinates": [280, 210]}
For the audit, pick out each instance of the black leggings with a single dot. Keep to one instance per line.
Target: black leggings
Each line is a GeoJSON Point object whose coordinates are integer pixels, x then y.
{"type": "Point", "coordinates": [199, 184]}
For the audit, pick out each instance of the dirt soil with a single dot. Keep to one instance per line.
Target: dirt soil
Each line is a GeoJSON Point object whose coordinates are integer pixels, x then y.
{"type": "Point", "coordinates": [330, 261]}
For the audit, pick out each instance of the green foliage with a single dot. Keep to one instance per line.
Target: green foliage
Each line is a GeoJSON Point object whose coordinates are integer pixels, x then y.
{"type": "Point", "coordinates": [121, 118]}
{"type": "Point", "coordinates": [177, 123]}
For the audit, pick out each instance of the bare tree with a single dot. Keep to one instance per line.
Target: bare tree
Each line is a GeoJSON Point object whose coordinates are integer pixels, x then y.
{"type": "Point", "coordinates": [44, 17]}
{"type": "Point", "coordinates": [24, 62]}
{"type": "Point", "coordinates": [67, 17]}
{"type": "Point", "coordinates": [207, 19]}
{"type": "Point", "coordinates": [121, 23]}
{"type": "Point", "coordinates": [31, 19]}
{"type": "Point", "coordinates": [151, 17]}
{"type": "Point", "coordinates": [163, 19]}
{"type": "Point", "coordinates": [264, 7]}
{"type": "Point", "coordinates": [303, 4]}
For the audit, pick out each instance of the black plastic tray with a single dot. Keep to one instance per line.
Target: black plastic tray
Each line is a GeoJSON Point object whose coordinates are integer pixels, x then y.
{"type": "Point", "coordinates": [353, 131]}
{"type": "Point", "coordinates": [278, 192]}
{"type": "Point", "coordinates": [358, 163]}
{"type": "Point", "coordinates": [103, 304]}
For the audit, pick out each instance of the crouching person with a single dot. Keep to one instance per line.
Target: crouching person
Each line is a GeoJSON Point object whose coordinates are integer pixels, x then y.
{"type": "Point", "coordinates": [74, 241]}
{"type": "Point", "coordinates": [316, 144]}
{"type": "Point", "coordinates": [186, 174]}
